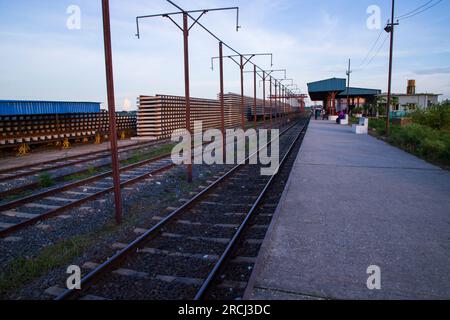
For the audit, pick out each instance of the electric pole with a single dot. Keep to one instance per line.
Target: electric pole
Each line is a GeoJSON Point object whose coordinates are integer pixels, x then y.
{"type": "Point", "coordinates": [349, 71]}
{"type": "Point", "coordinates": [390, 29]}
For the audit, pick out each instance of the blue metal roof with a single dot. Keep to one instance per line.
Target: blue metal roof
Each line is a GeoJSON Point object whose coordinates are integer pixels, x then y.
{"type": "Point", "coordinates": [328, 85]}
{"type": "Point", "coordinates": [359, 92]}
{"type": "Point", "coordinates": [29, 107]}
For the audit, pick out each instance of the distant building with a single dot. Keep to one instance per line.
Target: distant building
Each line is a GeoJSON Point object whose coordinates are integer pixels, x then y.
{"type": "Point", "coordinates": [412, 100]}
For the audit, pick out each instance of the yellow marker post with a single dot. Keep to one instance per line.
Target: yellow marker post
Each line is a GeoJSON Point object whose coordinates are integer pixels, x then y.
{"type": "Point", "coordinates": [23, 150]}
{"type": "Point", "coordinates": [66, 144]}
{"type": "Point", "coordinates": [98, 139]}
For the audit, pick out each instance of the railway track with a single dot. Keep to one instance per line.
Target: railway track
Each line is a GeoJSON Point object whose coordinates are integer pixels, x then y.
{"type": "Point", "coordinates": [36, 168]}
{"type": "Point", "coordinates": [24, 180]}
{"type": "Point", "coordinates": [71, 172]}
{"type": "Point", "coordinates": [20, 213]}
{"type": "Point", "coordinates": [183, 254]}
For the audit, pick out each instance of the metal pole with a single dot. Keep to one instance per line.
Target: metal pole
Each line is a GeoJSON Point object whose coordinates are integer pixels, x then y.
{"type": "Point", "coordinates": [348, 86]}
{"type": "Point", "coordinates": [264, 97]}
{"type": "Point", "coordinates": [279, 103]}
{"type": "Point", "coordinates": [388, 107]}
{"type": "Point", "coordinates": [112, 110]}
{"type": "Point", "coordinates": [255, 117]}
{"type": "Point", "coordinates": [270, 102]}
{"type": "Point", "coordinates": [222, 103]}
{"type": "Point", "coordinates": [242, 94]}
{"type": "Point", "coordinates": [276, 102]}
{"type": "Point", "coordinates": [284, 104]}
{"type": "Point", "coordinates": [187, 90]}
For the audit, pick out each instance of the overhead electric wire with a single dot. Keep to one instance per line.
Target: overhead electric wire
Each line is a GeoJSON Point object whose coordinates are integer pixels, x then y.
{"type": "Point", "coordinates": [372, 48]}
{"type": "Point", "coordinates": [378, 51]}
{"type": "Point", "coordinates": [419, 12]}
{"type": "Point", "coordinates": [218, 39]}
{"type": "Point", "coordinates": [420, 9]}
{"type": "Point", "coordinates": [416, 9]}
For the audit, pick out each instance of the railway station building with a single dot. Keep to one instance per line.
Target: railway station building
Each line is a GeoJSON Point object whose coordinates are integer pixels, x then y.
{"type": "Point", "coordinates": [336, 96]}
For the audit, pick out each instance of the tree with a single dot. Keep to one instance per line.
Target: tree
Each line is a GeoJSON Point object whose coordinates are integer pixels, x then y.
{"type": "Point", "coordinates": [380, 105]}
{"type": "Point", "coordinates": [395, 102]}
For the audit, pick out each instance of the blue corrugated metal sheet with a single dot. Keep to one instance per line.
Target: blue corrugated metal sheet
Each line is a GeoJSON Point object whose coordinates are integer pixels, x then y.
{"type": "Point", "coordinates": [21, 107]}
{"type": "Point", "coordinates": [328, 85]}
{"type": "Point", "coordinates": [360, 92]}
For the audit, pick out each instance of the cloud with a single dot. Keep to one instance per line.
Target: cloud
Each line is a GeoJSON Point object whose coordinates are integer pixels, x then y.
{"type": "Point", "coordinates": [433, 71]}
{"type": "Point", "coordinates": [314, 40]}
{"type": "Point", "coordinates": [128, 106]}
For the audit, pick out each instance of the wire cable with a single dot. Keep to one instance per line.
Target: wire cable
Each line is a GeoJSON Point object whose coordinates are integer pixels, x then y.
{"type": "Point", "coordinates": [378, 52]}
{"type": "Point", "coordinates": [423, 10]}
{"type": "Point", "coordinates": [416, 9]}
{"type": "Point", "coordinates": [372, 48]}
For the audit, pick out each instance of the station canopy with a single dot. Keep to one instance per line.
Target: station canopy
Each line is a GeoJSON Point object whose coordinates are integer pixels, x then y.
{"type": "Point", "coordinates": [320, 90]}
{"type": "Point", "coordinates": [359, 92]}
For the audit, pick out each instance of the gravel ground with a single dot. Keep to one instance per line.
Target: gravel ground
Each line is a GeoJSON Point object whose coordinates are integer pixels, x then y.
{"type": "Point", "coordinates": [142, 202]}
{"type": "Point", "coordinates": [262, 218]}
{"type": "Point", "coordinates": [232, 197]}
{"type": "Point", "coordinates": [102, 164]}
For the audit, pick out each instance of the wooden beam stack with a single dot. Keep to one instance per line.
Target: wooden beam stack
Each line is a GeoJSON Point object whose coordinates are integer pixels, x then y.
{"type": "Point", "coordinates": [34, 129]}
{"type": "Point", "coordinates": [160, 115]}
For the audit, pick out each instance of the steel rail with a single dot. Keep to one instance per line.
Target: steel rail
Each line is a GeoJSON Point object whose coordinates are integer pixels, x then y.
{"type": "Point", "coordinates": [42, 195]}
{"type": "Point", "coordinates": [233, 242]}
{"type": "Point", "coordinates": [101, 154]}
{"type": "Point", "coordinates": [60, 178]}
{"type": "Point", "coordinates": [77, 203]}
{"type": "Point", "coordinates": [59, 210]}
{"type": "Point", "coordinates": [91, 277]}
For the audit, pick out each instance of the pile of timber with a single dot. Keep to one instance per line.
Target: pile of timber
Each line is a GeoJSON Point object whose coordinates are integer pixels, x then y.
{"type": "Point", "coordinates": [34, 129]}
{"type": "Point", "coordinates": [158, 116]}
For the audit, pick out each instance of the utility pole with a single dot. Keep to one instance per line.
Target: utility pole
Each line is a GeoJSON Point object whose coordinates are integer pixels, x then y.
{"type": "Point", "coordinates": [390, 29]}
{"type": "Point", "coordinates": [248, 57]}
{"type": "Point", "coordinates": [264, 97]}
{"type": "Point", "coordinates": [270, 100]}
{"type": "Point", "coordinates": [349, 71]}
{"type": "Point", "coordinates": [241, 67]}
{"type": "Point", "coordinates": [112, 110]}
{"type": "Point", "coordinates": [255, 116]}
{"type": "Point", "coordinates": [187, 93]}
{"type": "Point", "coordinates": [222, 102]}
{"type": "Point", "coordinates": [185, 29]}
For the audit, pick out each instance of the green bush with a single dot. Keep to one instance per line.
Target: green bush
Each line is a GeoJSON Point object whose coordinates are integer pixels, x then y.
{"type": "Point", "coordinates": [436, 117]}
{"type": "Point", "coordinates": [432, 149]}
{"type": "Point", "coordinates": [379, 125]}
{"type": "Point", "coordinates": [423, 141]}
{"type": "Point", "coordinates": [45, 180]}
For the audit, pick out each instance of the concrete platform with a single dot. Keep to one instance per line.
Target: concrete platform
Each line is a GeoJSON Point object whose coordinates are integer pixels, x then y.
{"type": "Point", "coordinates": [352, 202]}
